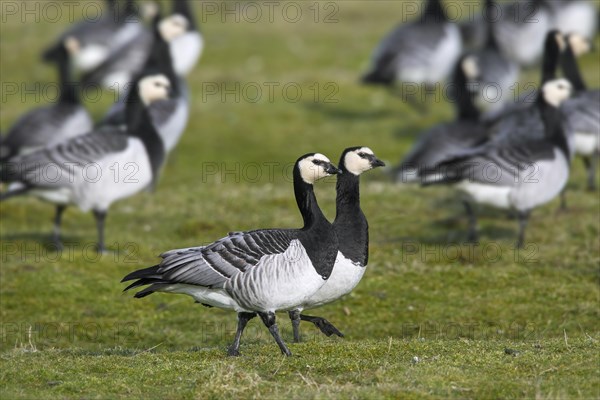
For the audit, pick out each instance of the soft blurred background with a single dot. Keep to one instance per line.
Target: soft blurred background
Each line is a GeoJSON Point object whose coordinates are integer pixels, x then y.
{"type": "Point", "coordinates": [433, 315]}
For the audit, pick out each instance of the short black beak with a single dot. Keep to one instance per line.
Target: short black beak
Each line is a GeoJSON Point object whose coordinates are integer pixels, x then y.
{"type": "Point", "coordinates": [376, 162]}
{"type": "Point", "coordinates": [332, 169]}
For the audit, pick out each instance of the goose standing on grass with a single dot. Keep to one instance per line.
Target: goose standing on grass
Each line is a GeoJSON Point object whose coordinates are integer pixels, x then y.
{"type": "Point", "coordinates": [576, 16]}
{"type": "Point", "coordinates": [94, 39]}
{"type": "Point", "coordinates": [582, 110]}
{"type": "Point", "coordinates": [496, 72]}
{"type": "Point", "coordinates": [421, 52]}
{"type": "Point", "coordinates": [352, 230]}
{"type": "Point", "coordinates": [178, 29]}
{"type": "Point", "coordinates": [94, 170]}
{"type": "Point", "coordinates": [518, 177]}
{"type": "Point", "coordinates": [521, 29]}
{"type": "Point", "coordinates": [169, 116]}
{"type": "Point", "coordinates": [255, 272]}
{"type": "Point", "coordinates": [46, 126]}
{"type": "Point", "coordinates": [447, 139]}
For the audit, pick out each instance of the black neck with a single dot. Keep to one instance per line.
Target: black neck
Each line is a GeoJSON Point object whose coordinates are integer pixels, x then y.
{"type": "Point", "coordinates": [68, 90]}
{"type": "Point", "coordinates": [160, 61]}
{"type": "Point", "coordinates": [350, 222]}
{"type": "Point", "coordinates": [463, 97]}
{"type": "Point", "coordinates": [434, 12]}
{"type": "Point", "coordinates": [571, 69]}
{"type": "Point", "coordinates": [553, 126]}
{"type": "Point", "coordinates": [139, 124]}
{"type": "Point", "coordinates": [551, 58]}
{"type": "Point", "coordinates": [307, 202]}
{"type": "Point", "coordinates": [183, 7]}
{"type": "Point", "coordinates": [490, 16]}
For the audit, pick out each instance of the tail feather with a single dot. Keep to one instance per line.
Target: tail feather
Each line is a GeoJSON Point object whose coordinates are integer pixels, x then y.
{"type": "Point", "coordinates": [144, 273]}
{"type": "Point", "coordinates": [146, 276]}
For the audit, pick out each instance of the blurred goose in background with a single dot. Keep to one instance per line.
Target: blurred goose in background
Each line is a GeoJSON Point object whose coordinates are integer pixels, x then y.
{"type": "Point", "coordinates": [49, 125]}
{"type": "Point", "coordinates": [422, 51]}
{"type": "Point", "coordinates": [496, 73]}
{"type": "Point", "coordinates": [582, 110]}
{"type": "Point", "coordinates": [576, 16]}
{"type": "Point", "coordinates": [520, 176]}
{"type": "Point", "coordinates": [91, 41]}
{"type": "Point", "coordinates": [169, 116]}
{"type": "Point", "coordinates": [255, 272]}
{"type": "Point", "coordinates": [83, 168]}
{"type": "Point", "coordinates": [178, 29]}
{"type": "Point", "coordinates": [521, 29]}
{"type": "Point", "coordinates": [474, 31]}
{"type": "Point", "coordinates": [446, 139]}
{"type": "Point", "coordinates": [352, 230]}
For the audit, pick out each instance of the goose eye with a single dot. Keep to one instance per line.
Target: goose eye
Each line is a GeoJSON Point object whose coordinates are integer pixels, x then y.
{"type": "Point", "coordinates": [362, 155]}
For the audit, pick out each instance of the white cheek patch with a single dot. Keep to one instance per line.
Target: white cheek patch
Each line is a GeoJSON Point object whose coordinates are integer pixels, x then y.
{"type": "Point", "coordinates": [555, 95]}
{"type": "Point", "coordinates": [309, 171]}
{"type": "Point", "coordinates": [355, 163]}
{"type": "Point", "coordinates": [470, 67]}
{"type": "Point", "coordinates": [148, 90]}
{"type": "Point", "coordinates": [579, 45]}
{"type": "Point", "coordinates": [172, 27]}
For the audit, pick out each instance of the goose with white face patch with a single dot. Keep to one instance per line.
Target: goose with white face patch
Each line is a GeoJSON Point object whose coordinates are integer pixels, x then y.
{"type": "Point", "coordinates": [255, 272]}
{"type": "Point", "coordinates": [93, 40]}
{"type": "Point", "coordinates": [352, 231]}
{"type": "Point", "coordinates": [49, 125]}
{"type": "Point", "coordinates": [521, 29]}
{"type": "Point", "coordinates": [582, 110]}
{"type": "Point", "coordinates": [178, 30]}
{"type": "Point", "coordinates": [81, 171]}
{"type": "Point", "coordinates": [169, 116]}
{"type": "Point", "coordinates": [446, 139]}
{"type": "Point", "coordinates": [422, 52]}
{"type": "Point", "coordinates": [507, 176]}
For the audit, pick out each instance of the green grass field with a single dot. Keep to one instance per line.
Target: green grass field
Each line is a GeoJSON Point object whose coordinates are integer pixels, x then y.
{"type": "Point", "coordinates": [433, 317]}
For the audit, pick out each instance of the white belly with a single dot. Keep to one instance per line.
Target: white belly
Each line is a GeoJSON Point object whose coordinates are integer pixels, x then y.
{"type": "Point", "coordinates": [586, 144]}
{"type": "Point", "coordinates": [90, 57]}
{"type": "Point", "coordinates": [497, 196]}
{"type": "Point", "coordinates": [213, 297]}
{"type": "Point", "coordinates": [344, 277]}
{"type": "Point", "coordinates": [185, 52]}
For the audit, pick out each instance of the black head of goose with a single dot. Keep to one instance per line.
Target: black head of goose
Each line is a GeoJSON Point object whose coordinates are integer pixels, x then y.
{"type": "Point", "coordinates": [138, 145]}
{"type": "Point", "coordinates": [421, 51]}
{"type": "Point", "coordinates": [352, 231]}
{"type": "Point", "coordinates": [49, 125]}
{"type": "Point", "coordinates": [582, 111]}
{"type": "Point", "coordinates": [527, 174]}
{"type": "Point", "coordinates": [255, 272]}
{"type": "Point", "coordinates": [444, 140]}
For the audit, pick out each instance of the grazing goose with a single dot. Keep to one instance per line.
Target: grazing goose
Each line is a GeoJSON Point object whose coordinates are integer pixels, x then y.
{"type": "Point", "coordinates": [127, 61]}
{"type": "Point", "coordinates": [255, 272]}
{"type": "Point", "coordinates": [48, 125]}
{"type": "Point", "coordinates": [93, 40]}
{"type": "Point", "coordinates": [582, 110]}
{"type": "Point", "coordinates": [421, 51]}
{"type": "Point", "coordinates": [518, 177]}
{"type": "Point", "coordinates": [169, 116]}
{"type": "Point", "coordinates": [521, 29]}
{"type": "Point", "coordinates": [94, 170]}
{"type": "Point", "coordinates": [352, 230]}
{"type": "Point", "coordinates": [496, 72]}
{"type": "Point", "coordinates": [576, 16]}
{"type": "Point", "coordinates": [446, 139]}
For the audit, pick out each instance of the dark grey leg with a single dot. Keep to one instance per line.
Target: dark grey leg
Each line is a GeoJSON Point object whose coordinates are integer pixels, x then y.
{"type": "Point", "coordinates": [295, 317]}
{"type": "Point", "coordinates": [100, 217]}
{"type": "Point", "coordinates": [591, 164]}
{"type": "Point", "coordinates": [56, 229]}
{"type": "Point", "coordinates": [243, 319]}
{"type": "Point", "coordinates": [523, 220]}
{"type": "Point", "coordinates": [472, 221]}
{"type": "Point", "coordinates": [269, 321]}
{"type": "Point", "coordinates": [325, 326]}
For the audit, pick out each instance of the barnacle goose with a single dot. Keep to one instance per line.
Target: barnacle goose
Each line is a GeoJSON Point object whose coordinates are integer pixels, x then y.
{"type": "Point", "coordinates": [169, 116]}
{"type": "Point", "coordinates": [255, 272]}
{"type": "Point", "coordinates": [446, 139]}
{"type": "Point", "coordinates": [582, 110]}
{"type": "Point", "coordinates": [48, 125]}
{"type": "Point", "coordinates": [178, 29]}
{"type": "Point", "coordinates": [576, 16]}
{"type": "Point", "coordinates": [93, 40]}
{"type": "Point", "coordinates": [82, 169]}
{"type": "Point", "coordinates": [518, 177]}
{"type": "Point", "coordinates": [421, 51]}
{"type": "Point", "coordinates": [521, 28]}
{"type": "Point", "coordinates": [352, 230]}
{"type": "Point", "coordinates": [496, 72]}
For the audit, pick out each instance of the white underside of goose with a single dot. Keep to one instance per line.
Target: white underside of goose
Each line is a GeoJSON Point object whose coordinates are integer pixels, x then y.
{"type": "Point", "coordinates": [345, 276]}
{"type": "Point", "coordinates": [90, 57]}
{"type": "Point", "coordinates": [98, 184]}
{"type": "Point", "coordinates": [497, 196]}
{"type": "Point", "coordinates": [171, 130]}
{"type": "Point", "coordinates": [587, 143]}
{"type": "Point", "coordinates": [185, 52]}
{"type": "Point", "coordinates": [118, 81]}
{"type": "Point", "coordinates": [579, 17]}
